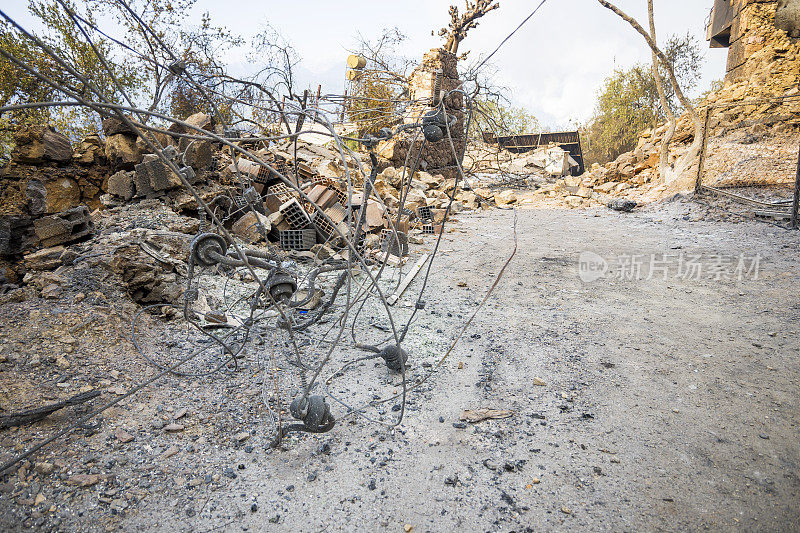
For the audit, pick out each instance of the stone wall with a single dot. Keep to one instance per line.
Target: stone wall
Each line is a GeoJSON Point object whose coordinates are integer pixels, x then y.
{"type": "Point", "coordinates": [753, 29]}
{"type": "Point", "coordinates": [436, 157]}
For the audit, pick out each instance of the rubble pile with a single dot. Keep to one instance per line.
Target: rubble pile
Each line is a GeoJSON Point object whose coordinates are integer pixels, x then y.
{"type": "Point", "coordinates": [53, 196]}
{"type": "Point", "coordinates": [283, 216]}
{"type": "Point", "coordinates": [543, 162]}
{"type": "Point", "coordinates": [769, 71]}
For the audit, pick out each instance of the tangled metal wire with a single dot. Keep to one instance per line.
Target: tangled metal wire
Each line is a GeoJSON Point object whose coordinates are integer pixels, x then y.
{"type": "Point", "coordinates": [266, 293]}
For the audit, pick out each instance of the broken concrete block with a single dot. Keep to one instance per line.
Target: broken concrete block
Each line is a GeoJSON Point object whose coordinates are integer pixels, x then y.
{"type": "Point", "coordinates": [122, 185]}
{"type": "Point", "coordinates": [39, 144]}
{"type": "Point", "coordinates": [298, 239]}
{"type": "Point", "coordinates": [142, 187]}
{"type": "Point", "coordinates": [325, 230]}
{"type": "Point", "coordinates": [252, 227]}
{"type": "Point", "coordinates": [337, 213]}
{"type": "Point", "coordinates": [394, 242]}
{"type": "Point", "coordinates": [44, 259]}
{"type": "Point", "coordinates": [69, 226]}
{"type": "Point", "coordinates": [157, 173]}
{"type": "Point", "coordinates": [122, 152]}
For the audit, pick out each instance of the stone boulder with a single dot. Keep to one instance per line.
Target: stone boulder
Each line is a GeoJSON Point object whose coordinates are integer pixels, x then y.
{"type": "Point", "coordinates": [505, 198]}
{"type": "Point", "coordinates": [115, 126]}
{"type": "Point", "coordinates": [40, 144]}
{"type": "Point", "coordinates": [90, 152]}
{"type": "Point", "coordinates": [61, 194]}
{"type": "Point", "coordinates": [122, 152]}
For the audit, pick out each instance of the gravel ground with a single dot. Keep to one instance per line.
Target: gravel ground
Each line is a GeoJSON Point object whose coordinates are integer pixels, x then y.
{"type": "Point", "coordinates": [642, 400]}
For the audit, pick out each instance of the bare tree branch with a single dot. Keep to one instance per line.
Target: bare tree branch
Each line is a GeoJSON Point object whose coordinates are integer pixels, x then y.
{"type": "Point", "coordinates": [663, 160]}
{"type": "Point", "coordinates": [460, 25]}
{"type": "Point", "coordinates": [698, 124]}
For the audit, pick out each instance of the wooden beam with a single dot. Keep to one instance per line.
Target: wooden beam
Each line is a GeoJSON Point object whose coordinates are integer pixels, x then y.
{"type": "Point", "coordinates": [391, 300]}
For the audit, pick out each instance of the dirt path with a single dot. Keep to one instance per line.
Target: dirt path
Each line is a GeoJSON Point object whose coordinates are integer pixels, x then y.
{"type": "Point", "coordinates": [668, 404]}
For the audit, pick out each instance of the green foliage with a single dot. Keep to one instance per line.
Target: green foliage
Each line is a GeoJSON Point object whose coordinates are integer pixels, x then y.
{"type": "Point", "coordinates": [626, 105]}
{"type": "Point", "coordinates": [20, 86]}
{"type": "Point", "coordinates": [685, 55]}
{"type": "Point", "coordinates": [628, 101]}
{"type": "Point", "coordinates": [495, 116]}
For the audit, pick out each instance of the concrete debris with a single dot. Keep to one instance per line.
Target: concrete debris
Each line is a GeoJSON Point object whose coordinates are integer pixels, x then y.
{"type": "Point", "coordinates": [122, 184]}
{"type": "Point", "coordinates": [153, 176]}
{"type": "Point", "coordinates": [70, 226]}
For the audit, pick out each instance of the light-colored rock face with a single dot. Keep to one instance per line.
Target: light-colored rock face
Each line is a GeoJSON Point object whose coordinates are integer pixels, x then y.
{"type": "Point", "coordinates": [757, 42]}
{"type": "Point", "coordinates": [787, 17]}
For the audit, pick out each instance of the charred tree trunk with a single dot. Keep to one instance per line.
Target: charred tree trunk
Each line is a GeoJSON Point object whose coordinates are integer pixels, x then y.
{"type": "Point", "coordinates": [460, 25]}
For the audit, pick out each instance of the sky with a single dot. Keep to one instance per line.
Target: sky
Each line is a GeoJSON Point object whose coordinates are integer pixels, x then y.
{"type": "Point", "coordinates": [554, 66]}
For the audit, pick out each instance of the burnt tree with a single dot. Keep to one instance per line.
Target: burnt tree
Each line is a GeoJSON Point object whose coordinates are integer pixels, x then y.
{"type": "Point", "coordinates": [461, 24]}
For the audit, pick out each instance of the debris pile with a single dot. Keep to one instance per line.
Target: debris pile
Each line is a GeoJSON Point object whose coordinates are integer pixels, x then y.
{"type": "Point", "coordinates": [48, 191]}
{"type": "Point", "coordinates": [757, 110]}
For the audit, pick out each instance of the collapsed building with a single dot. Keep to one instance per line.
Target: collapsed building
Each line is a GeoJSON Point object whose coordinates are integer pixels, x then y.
{"type": "Point", "coordinates": [203, 227]}
{"type": "Point", "coordinates": [50, 192]}
{"type": "Point", "coordinates": [751, 124]}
